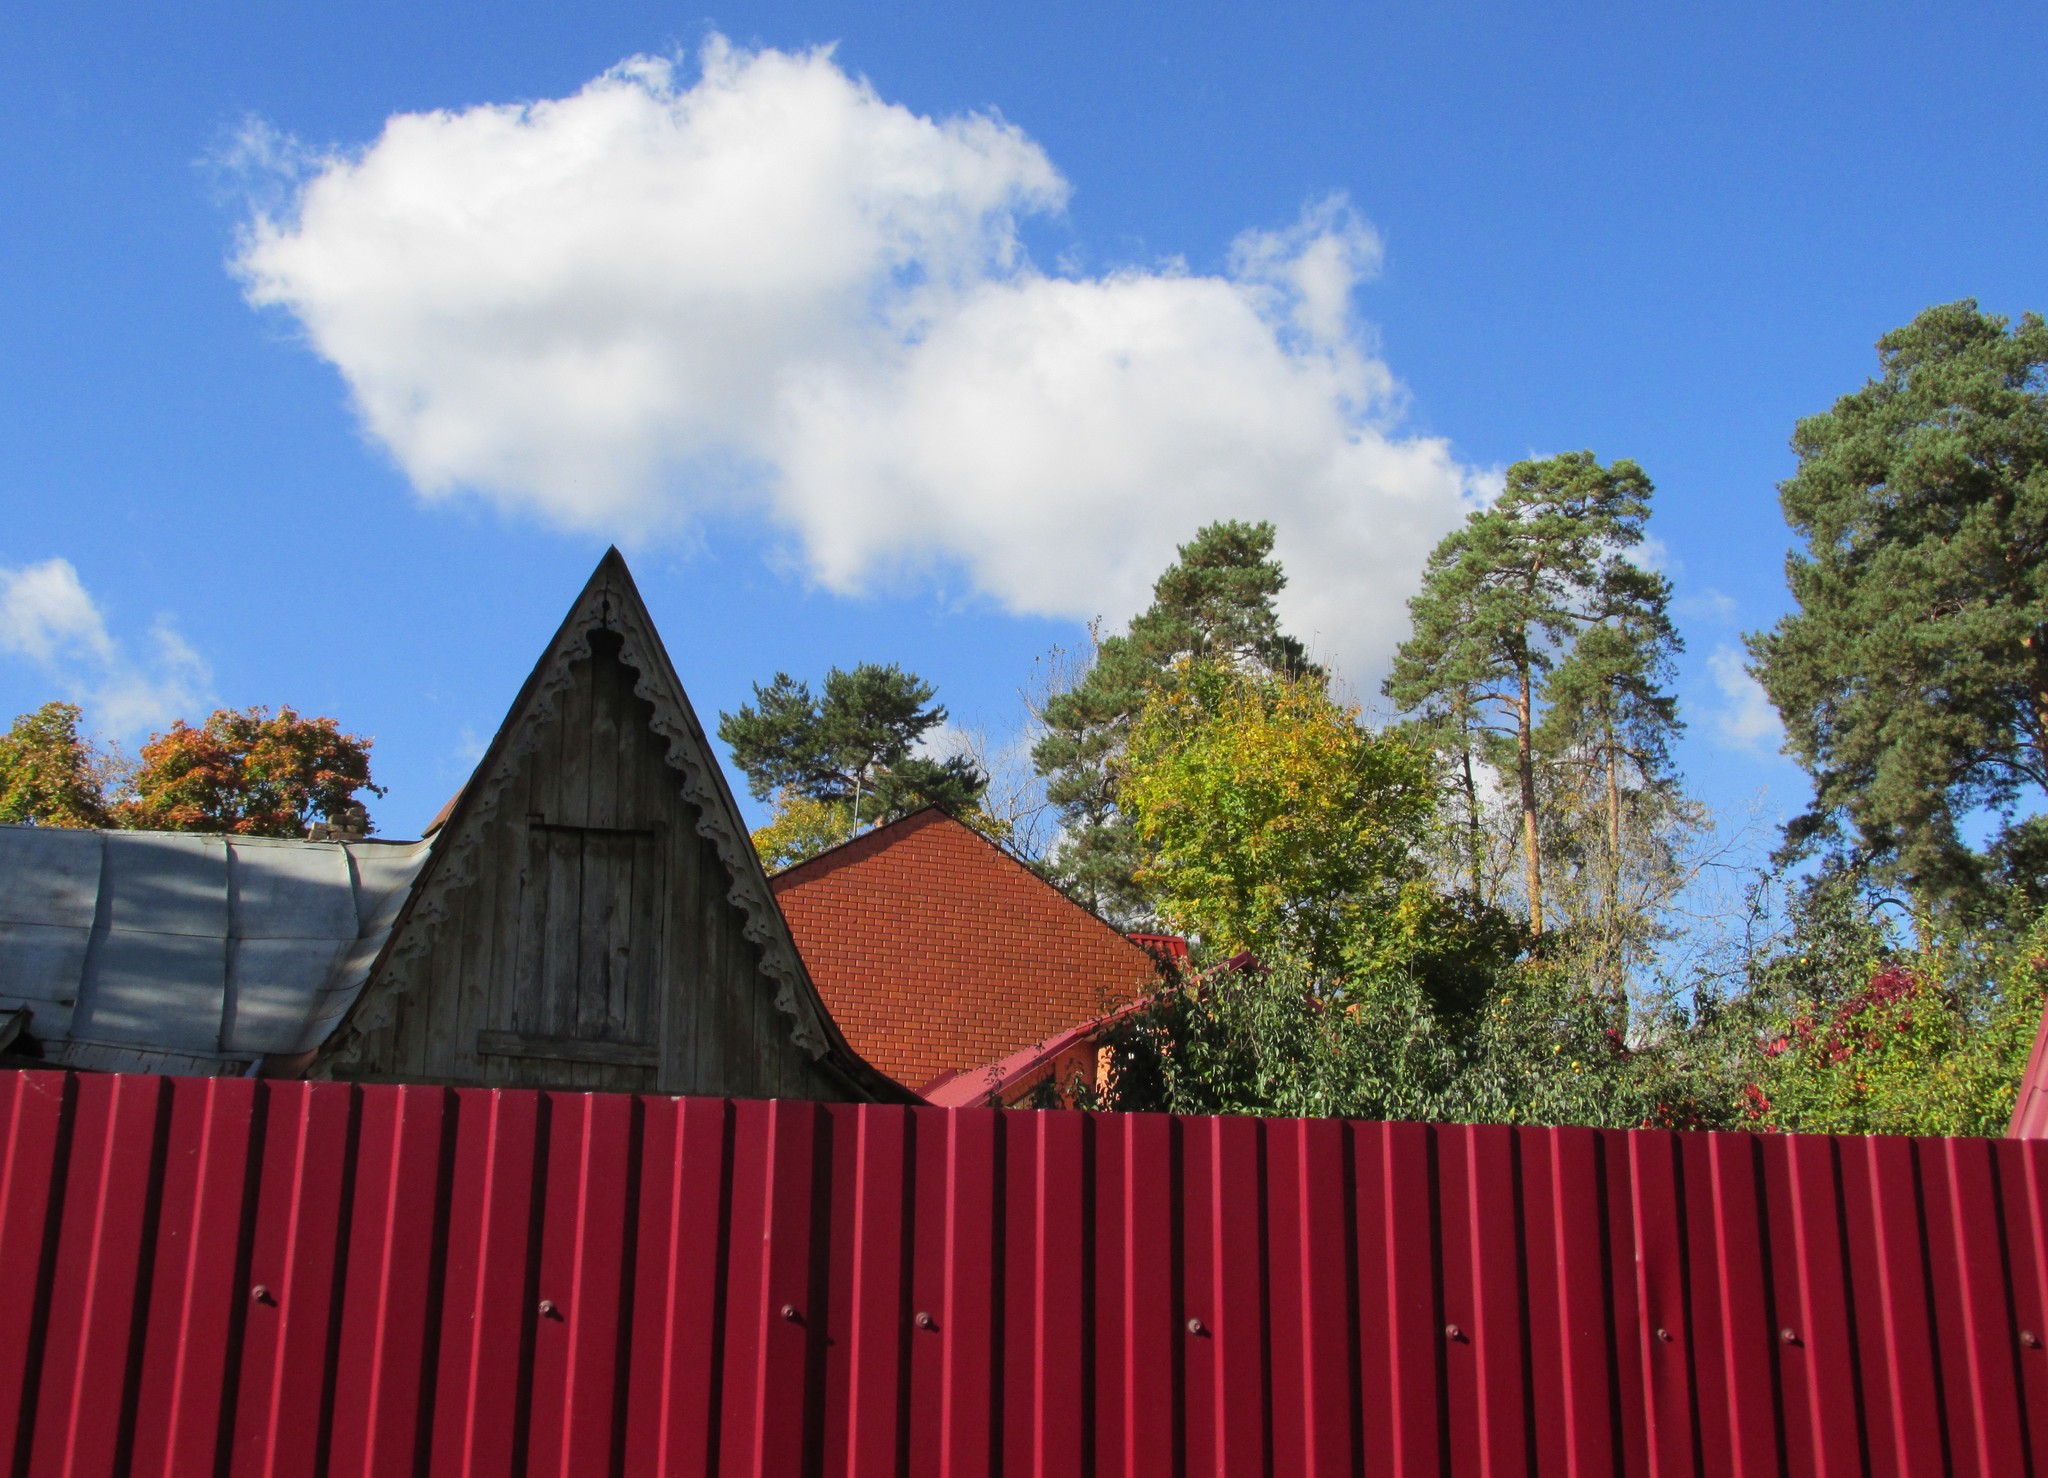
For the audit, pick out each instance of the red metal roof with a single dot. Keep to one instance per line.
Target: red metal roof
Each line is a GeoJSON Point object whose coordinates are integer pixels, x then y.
{"type": "Point", "coordinates": [2030, 1113]}
{"type": "Point", "coordinates": [223, 1274]}
{"type": "Point", "coordinates": [1002, 1083]}
{"type": "Point", "coordinates": [1167, 947]}
{"type": "Point", "coordinates": [936, 951]}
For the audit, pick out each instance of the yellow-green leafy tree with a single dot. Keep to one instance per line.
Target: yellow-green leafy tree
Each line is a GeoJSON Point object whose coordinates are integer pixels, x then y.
{"type": "Point", "coordinates": [799, 828]}
{"type": "Point", "coordinates": [1273, 820]}
{"type": "Point", "coordinates": [51, 775]}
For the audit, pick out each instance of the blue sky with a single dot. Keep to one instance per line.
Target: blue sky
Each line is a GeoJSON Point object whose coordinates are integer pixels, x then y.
{"type": "Point", "coordinates": [925, 350]}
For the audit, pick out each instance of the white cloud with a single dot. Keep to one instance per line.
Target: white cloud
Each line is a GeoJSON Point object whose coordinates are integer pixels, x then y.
{"type": "Point", "coordinates": [172, 683]}
{"type": "Point", "coordinates": [49, 617]}
{"type": "Point", "coordinates": [769, 289]}
{"type": "Point", "coordinates": [1706, 604]}
{"type": "Point", "coordinates": [1654, 555]}
{"type": "Point", "coordinates": [1746, 720]}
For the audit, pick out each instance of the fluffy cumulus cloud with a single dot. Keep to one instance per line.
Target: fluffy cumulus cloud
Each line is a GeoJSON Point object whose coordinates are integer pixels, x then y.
{"type": "Point", "coordinates": [1746, 719]}
{"type": "Point", "coordinates": [764, 289]}
{"type": "Point", "coordinates": [48, 617]}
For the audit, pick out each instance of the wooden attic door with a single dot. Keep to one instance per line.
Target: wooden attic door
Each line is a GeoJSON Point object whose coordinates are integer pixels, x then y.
{"type": "Point", "coordinates": [587, 972]}
{"type": "Point", "coordinates": [587, 965]}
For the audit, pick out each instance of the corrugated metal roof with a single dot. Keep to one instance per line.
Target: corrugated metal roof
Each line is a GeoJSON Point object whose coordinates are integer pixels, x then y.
{"type": "Point", "coordinates": [176, 952]}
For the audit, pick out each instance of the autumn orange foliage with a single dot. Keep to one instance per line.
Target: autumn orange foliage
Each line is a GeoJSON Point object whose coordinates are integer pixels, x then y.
{"type": "Point", "coordinates": [249, 772]}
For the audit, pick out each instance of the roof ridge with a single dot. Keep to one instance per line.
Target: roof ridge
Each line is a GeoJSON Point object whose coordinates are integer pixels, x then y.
{"type": "Point", "coordinates": [871, 832]}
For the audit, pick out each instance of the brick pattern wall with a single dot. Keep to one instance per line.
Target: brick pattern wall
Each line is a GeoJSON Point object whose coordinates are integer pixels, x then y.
{"type": "Point", "coordinates": [935, 950]}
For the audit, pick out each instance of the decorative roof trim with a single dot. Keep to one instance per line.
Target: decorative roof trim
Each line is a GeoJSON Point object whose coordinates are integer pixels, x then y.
{"type": "Point", "coordinates": [609, 601]}
{"type": "Point", "coordinates": [718, 819]}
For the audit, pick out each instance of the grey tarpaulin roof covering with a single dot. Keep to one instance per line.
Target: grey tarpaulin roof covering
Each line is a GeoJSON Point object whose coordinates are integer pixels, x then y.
{"type": "Point", "coordinates": [147, 951]}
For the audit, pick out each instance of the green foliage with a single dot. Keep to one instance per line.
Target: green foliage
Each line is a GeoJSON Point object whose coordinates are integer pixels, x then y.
{"type": "Point", "coordinates": [1835, 1029]}
{"type": "Point", "coordinates": [1255, 1041]}
{"type": "Point", "coordinates": [1913, 675]}
{"type": "Point", "coordinates": [1213, 605]}
{"type": "Point", "coordinates": [1546, 1049]}
{"type": "Point", "coordinates": [1273, 820]}
{"type": "Point", "coordinates": [853, 746]}
{"type": "Point", "coordinates": [1281, 1041]}
{"type": "Point", "coordinates": [1611, 688]}
{"type": "Point", "coordinates": [1614, 820]}
{"type": "Point", "coordinates": [50, 775]}
{"type": "Point", "coordinates": [1453, 946]}
{"type": "Point", "coordinates": [252, 773]}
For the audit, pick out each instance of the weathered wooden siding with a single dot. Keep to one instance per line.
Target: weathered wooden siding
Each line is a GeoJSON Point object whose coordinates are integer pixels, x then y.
{"type": "Point", "coordinates": [595, 946]}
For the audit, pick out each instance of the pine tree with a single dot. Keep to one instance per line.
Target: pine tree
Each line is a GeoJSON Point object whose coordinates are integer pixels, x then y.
{"type": "Point", "coordinates": [1213, 604]}
{"type": "Point", "coordinates": [1610, 719]}
{"type": "Point", "coordinates": [851, 746]}
{"type": "Point", "coordinates": [1913, 675]}
{"type": "Point", "coordinates": [1504, 598]}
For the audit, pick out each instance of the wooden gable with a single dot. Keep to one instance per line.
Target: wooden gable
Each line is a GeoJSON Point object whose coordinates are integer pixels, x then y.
{"type": "Point", "coordinates": [593, 915]}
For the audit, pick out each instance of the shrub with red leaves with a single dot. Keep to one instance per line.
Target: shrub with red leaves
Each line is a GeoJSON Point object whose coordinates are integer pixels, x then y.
{"type": "Point", "coordinates": [1756, 1106]}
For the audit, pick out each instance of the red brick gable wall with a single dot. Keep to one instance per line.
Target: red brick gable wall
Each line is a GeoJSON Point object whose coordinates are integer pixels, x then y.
{"type": "Point", "coordinates": [936, 950]}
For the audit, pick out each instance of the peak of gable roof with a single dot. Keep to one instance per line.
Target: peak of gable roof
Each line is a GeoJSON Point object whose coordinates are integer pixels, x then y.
{"type": "Point", "coordinates": [609, 603]}
{"type": "Point", "coordinates": [866, 844]}
{"type": "Point", "coordinates": [855, 850]}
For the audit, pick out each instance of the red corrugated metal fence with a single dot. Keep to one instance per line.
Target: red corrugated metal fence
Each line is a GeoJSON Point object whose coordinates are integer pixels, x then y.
{"type": "Point", "coordinates": [208, 1275]}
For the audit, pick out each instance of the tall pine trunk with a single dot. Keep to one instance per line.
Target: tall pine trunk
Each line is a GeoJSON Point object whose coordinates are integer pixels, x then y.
{"type": "Point", "coordinates": [2037, 644]}
{"type": "Point", "coordinates": [1473, 833]}
{"type": "Point", "coordinates": [1525, 768]}
{"type": "Point", "coordinates": [1613, 879]}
